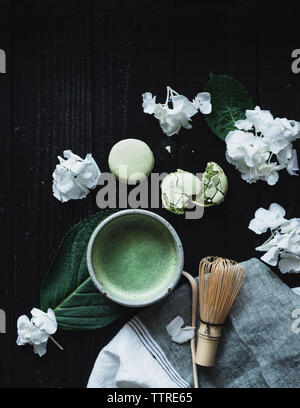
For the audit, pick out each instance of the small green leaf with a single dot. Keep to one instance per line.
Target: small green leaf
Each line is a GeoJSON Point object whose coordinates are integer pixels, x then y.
{"type": "Point", "coordinates": [230, 100]}
{"type": "Point", "coordinates": [68, 288]}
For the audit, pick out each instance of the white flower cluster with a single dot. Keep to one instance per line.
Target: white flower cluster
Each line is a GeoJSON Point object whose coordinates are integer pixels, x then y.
{"type": "Point", "coordinates": [37, 330]}
{"type": "Point", "coordinates": [258, 139]}
{"type": "Point", "coordinates": [73, 177]}
{"type": "Point", "coordinates": [172, 119]}
{"type": "Point", "coordinates": [284, 240]}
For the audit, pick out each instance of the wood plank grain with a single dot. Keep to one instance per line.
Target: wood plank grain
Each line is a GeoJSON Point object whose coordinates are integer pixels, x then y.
{"type": "Point", "coordinates": [7, 328]}
{"type": "Point", "coordinates": [52, 94]}
{"type": "Point", "coordinates": [216, 42]}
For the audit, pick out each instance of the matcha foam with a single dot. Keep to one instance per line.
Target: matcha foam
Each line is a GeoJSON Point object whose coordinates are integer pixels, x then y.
{"type": "Point", "coordinates": [134, 258]}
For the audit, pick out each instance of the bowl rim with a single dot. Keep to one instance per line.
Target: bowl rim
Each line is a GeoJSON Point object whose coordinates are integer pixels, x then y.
{"type": "Point", "coordinates": [173, 282]}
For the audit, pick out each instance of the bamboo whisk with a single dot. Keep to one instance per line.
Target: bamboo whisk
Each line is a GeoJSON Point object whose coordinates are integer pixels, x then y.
{"type": "Point", "coordinates": [219, 283]}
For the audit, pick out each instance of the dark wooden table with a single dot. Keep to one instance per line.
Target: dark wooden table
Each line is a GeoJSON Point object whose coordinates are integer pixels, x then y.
{"type": "Point", "coordinates": [76, 70]}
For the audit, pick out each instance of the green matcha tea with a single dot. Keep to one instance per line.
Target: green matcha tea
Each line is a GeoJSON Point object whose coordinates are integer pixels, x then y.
{"type": "Point", "coordinates": [134, 258]}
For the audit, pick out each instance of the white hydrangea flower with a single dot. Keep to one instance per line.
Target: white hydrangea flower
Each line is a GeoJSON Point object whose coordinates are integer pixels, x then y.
{"type": "Point", "coordinates": [250, 155]}
{"type": "Point", "coordinates": [149, 102]}
{"type": "Point", "coordinates": [289, 263]}
{"type": "Point", "coordinates": [29, 333]}
{"type": "Point", "coordinates": [246, 147]}
{"type": "Point", "coordinates": [173, 118]}
{"type": "Point", "coordinates": [267, 219]}
{"type": "Point", "coordinates": [260, 119]}
{"type": "Point", "coordinates": [45, 321]}
{"type": "Point", "coordinates": [284, 243]}
{"type": "Point", "coordinates": [37, 331]}
{"type": "Point", "coordinates": [179, 333]}
{"type": "Point", "coordinates": [73, 177]}
{"type": "Point", "coordinates": [262, 146]}
{"type": "Point", "coordinates": [202, 101]}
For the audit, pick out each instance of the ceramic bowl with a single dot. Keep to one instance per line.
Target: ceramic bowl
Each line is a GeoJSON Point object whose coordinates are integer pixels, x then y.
{"type": "Point", "coordinates": [118, 221]}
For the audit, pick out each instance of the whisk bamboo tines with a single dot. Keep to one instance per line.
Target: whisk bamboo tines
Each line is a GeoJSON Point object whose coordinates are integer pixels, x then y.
{"type": "Point", "coordinates": [219, 283]}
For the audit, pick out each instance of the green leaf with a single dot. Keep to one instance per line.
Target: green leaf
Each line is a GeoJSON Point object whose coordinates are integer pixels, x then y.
{"type": "Point", "coordinates": [68, 288]}
{"type": "Point", "coordinates": [230, 100]}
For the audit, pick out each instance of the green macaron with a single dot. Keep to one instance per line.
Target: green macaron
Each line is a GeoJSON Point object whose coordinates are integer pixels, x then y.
{"type": "Point", "coordinates": [131, 160]}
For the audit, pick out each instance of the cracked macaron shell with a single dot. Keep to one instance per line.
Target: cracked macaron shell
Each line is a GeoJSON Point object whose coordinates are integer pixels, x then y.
{"type": "Point", "coordinates": [215, 186]}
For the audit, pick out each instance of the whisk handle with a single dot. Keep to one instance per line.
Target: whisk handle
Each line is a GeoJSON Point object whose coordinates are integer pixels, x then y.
{"type": "Point", "coordinates": [207, 345]}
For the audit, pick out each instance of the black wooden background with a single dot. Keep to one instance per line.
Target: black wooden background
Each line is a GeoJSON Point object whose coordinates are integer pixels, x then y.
{"type": "Point", "coordinates": [76, 70]}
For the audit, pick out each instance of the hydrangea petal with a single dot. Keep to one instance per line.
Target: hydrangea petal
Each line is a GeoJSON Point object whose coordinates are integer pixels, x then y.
{"type": "Point", "coordinates": [243, 124]}
{"type": "Point", "coordinates": [178, 333]}
{"type": "Point", "coordinates": [202, 101]}
{"type": "Point", "coordinates": [149, 103]}
{"type": "Point", "coordinates": [45, 321]}
{"type": "Point", "coordinates": [271, 256]}
{"type": "Point", "coordinates": [22, 322]}
{"type": "Point", "coordinates": [292, 165]}
{"type": "Point", "coordinates": [289, 263]}
{"type": "Point", "coordinates": [270, 243]}
{"type": "Point", "coordinates": [260, 118]}
{"type": "Point", "coordinates": [265, 219]}
{"type": "Point", "coordinates": [290, 242]}
{"type": "Point", "coordinates": [40, 349]}
{"type": "Point", "coordinates": [290, 225]}
{"type": "Point", "coordinates": [277, 210]}
{"type": "Point", "coordinates": [38, 336]}
{"type": "Point", "coordinates": [203, 97]}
